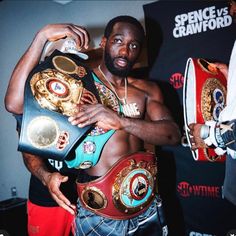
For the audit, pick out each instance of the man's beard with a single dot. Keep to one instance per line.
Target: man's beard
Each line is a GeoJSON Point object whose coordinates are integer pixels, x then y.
{"type": "Point", "coordinates": [109, 62]}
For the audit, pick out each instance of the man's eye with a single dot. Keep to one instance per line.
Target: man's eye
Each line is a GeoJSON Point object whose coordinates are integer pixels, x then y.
{"type": "Point", "coordinates": [133, 46]}
{"type": "Point", "coordinates": [117, 41]}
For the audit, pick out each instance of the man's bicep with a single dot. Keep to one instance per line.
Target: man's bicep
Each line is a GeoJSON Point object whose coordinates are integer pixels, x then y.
{"type": "Point", "coordinates": [158, 111]}
{"type": "Point", "coordinates": [155, 107]}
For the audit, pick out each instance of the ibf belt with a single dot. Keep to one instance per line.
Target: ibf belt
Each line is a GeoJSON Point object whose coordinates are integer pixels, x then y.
{"type": "Point", "coordinates": [53, 91]}
{"type": "Point", "coordinates": [204, 97]}
{"type": "Point", "coordinates": [125, 191]}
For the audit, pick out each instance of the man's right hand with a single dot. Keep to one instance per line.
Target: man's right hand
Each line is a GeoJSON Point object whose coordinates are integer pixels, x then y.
{"type": "Point", "coordinates": [53, 32]}
{"type": "Point", "coordinates": [223, 68]}
{"type": "Point", "coordinates": [196, 140]}
{"type": "Point", "coordinates": [53, 182]}
{"type": "Point", "coordinates": [14, 99]}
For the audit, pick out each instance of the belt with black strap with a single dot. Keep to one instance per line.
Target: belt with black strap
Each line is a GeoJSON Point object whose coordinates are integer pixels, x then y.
{"type": "Point", "coordinates": [52, 92]}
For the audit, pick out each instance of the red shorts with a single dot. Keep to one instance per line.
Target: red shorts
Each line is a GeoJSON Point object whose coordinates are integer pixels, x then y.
{"type": "Point", "coordinates": [44, 221]}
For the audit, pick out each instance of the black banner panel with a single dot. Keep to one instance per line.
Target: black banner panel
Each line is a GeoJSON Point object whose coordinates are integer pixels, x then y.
{"type": "Point", "coordinates": [191, 190]}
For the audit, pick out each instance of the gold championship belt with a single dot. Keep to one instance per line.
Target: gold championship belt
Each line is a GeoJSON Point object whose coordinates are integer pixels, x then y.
{"type": "Point", "coordinates": [204, 97]}
{"type": "Point", "coordinates": [53, 91]}
{"type": "Point", "coordinates": [59, 92]}
{"type": "Point", "coordinates": [125, 191]}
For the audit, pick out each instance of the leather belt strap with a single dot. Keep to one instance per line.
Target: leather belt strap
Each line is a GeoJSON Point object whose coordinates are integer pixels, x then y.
{"type": "Point", "coordinates": [125, 191]}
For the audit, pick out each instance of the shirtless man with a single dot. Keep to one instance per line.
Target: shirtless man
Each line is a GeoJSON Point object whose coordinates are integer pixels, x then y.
{"type": "Point", "coordinates": [121, 44]}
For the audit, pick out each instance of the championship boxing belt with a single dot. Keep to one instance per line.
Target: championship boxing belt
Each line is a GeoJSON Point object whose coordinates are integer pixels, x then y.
{"type": "Point", "coordinates": [125, 191]}
{"type": "Point", "coordinates": [53, 91]}
{"type": "Point", "coordinates": [204, 97]}
{"type": "Point", "coordinates": [88, 152]}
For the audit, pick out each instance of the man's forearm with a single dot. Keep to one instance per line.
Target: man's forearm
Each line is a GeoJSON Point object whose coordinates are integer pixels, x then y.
{"type": "Point", "coordinates": [37, 167]}
{"type": "Point", "coordinates": [162, 132]}
{"type": "Point", "coordinates": [14, 98]}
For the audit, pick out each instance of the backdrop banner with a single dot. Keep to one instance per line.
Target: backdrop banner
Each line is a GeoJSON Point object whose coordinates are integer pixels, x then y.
{"type": "Point", "coordinates": [191, 190]}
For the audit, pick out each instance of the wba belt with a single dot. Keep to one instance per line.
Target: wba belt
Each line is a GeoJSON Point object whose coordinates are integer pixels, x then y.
{"type": "Point", "coordinates": [126, 190]}
{"type": "Point", "coordinates": [53, 91]}
{"type": "Point", "coordinates": [204, 97]}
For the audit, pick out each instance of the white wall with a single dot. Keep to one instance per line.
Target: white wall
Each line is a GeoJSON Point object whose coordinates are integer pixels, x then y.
{"type": "Point", "coordinates": [20, 20]}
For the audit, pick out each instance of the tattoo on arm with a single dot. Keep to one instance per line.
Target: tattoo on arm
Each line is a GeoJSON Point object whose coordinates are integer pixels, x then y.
{"type": "Point", "coordinates": [37, 167]}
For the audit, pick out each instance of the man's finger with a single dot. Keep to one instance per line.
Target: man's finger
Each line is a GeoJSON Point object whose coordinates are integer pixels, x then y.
{"type": "Point", "coordinates": [63, 202]}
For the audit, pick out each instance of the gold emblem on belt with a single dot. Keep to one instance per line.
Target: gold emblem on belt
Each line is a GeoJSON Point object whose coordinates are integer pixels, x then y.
{"type": "Point", "coordinates": [213, 99]}
{"type": "Point", "coordinates": [68, 66]}
{"type": "Point", "coordinates": [134, 187]}
{"type": "Point", "coordinates": [57, 91]}
{"type": "Point", "coordinates": [42, 132]}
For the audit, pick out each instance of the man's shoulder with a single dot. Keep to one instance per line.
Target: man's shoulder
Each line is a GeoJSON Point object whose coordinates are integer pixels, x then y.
{"type": "Point", "coordinates": [145, 85]}
{"type": "Point", "coordinates": [141, 82]}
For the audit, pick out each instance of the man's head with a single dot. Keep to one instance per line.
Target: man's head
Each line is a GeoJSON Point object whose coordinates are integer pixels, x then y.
{"type": "Point", "coordinates": [124, 19]}
{"type": "Point", "coordinates": [122, 43]}
{"type": "Point", "coordinates": [232, 9]}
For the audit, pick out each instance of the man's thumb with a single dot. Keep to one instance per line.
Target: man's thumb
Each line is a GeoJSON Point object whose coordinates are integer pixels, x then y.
{"type": "Point", "coordinates": [64, 179]}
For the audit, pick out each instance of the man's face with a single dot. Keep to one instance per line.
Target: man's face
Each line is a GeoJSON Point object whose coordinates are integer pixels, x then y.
{"type": "Point", "coordinates": [232, 10]}
{"type": "Point", "coordinates": [122, 49]}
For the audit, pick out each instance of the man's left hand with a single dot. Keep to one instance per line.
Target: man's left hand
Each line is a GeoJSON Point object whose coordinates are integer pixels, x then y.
{"type": "Point", "coordinates": [53, 183]}
{"type": "Point", "coordinates": [98, 114]}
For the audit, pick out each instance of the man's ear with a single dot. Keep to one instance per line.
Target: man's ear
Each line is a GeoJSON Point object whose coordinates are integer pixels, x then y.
{"type": "Point", "coordinates": [103, 42]}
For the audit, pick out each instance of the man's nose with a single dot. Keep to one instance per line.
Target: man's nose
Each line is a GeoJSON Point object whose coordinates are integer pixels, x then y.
{"type": "Point", "coordinates": [124, 51]}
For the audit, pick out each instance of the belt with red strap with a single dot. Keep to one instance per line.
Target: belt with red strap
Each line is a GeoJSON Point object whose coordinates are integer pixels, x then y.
{"type": "Point", "coordinates": [125, 191]}
{"type": "Point", "coordinates": [204, 96]}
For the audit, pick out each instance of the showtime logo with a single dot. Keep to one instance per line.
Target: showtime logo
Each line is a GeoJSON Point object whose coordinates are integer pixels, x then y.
{"type": "Point", "coordinates": [187, 190]}
{"type": "Point", "coordinates": [177, 80]}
